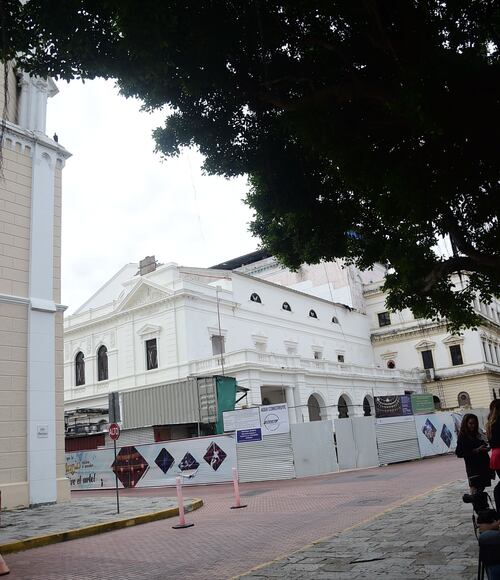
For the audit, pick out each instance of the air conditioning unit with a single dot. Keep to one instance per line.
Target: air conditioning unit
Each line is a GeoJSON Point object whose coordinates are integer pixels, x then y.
{"type": "Point", "coordinates": [429, 374]}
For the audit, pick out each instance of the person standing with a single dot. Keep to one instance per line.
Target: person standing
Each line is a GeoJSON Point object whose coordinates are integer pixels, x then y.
{"type": "Point", "coordinates": [493, 434]}
{"type": "Point", "coordinates": [473, 448]}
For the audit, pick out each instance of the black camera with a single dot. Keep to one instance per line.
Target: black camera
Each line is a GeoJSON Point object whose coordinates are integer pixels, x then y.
{"type": "Point", "coordinates": [479, 500]}
{"type": "Point", "coordinates": [487, 516]}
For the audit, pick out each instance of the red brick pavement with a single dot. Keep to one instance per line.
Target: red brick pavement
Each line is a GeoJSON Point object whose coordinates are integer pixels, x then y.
{"type": "Point", "coordinates": [280, 518]}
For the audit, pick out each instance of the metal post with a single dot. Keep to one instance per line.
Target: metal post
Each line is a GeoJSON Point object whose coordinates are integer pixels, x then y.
{"type": "Point", "coordinates": [116, 482]}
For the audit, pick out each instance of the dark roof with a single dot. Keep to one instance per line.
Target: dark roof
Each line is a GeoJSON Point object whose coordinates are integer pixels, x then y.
{"type": "Point", "coordinates": [242, 260]}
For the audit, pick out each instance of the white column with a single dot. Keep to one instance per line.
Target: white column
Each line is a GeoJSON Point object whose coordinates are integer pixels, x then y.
{"type": "Point", "coordinates": [290, 401]}
{"type": "Point", "coordinates": [41, 400]}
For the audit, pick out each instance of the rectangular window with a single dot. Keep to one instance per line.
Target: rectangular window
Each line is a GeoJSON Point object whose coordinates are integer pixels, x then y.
{"type": "Point", "coordinates": [456, 355]}
{"type": "Point", "coordinates": [218, 345]}
{"type": "Point", "coordinates": [151, 354]}
{"type": "Point", "coordinates": [318, 354]}
{"type": "Point", "coordinates": [485, 352]}
{"type": "Point", "coordinates": [340, 358]}
{"type": "Point", "coordinates": [384, 319]}
{"type": "Point", "coordinates": [427, 359]}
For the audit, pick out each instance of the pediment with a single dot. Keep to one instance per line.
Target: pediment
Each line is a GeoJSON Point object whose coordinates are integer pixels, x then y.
{"type": "Point", "coordinates": [425, 345]}
{"type": "Point", "coordinates": [142, 294]}
{"type": "Point", "coordinates": [149, 329]}
{"type": "Point", "coordinates": [453, 339]}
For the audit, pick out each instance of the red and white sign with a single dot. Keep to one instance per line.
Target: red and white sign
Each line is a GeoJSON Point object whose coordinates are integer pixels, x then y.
{"type": "Point", "coordinates": [114, 431]}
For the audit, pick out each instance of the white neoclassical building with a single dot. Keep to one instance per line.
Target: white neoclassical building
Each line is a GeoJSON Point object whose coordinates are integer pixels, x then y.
{"type": "Point", "coordinates": [301, 338]}
{"type": "Point", "coordinates": [461, 370]}
{"type": "Point", "coordinates": [32, 465]}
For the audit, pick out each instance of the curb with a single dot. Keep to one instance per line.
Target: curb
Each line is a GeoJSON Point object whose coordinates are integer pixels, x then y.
{"type": "Point", "coordinates": [40, 541]}
{"type": "Point", "coordinates": [367, 520]}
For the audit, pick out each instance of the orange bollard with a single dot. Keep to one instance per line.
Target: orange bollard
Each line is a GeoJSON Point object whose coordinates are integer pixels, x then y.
{"type": "Point", "coordinates": [180, 501]}
{"type": "Point", "coordinates": [236, 486]}
{"type": "Point", "coordinates": [4, 569]}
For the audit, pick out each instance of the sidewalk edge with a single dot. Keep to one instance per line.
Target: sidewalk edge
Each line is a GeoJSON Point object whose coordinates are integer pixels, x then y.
{"type": "Point", "coordinates": [40, 541]}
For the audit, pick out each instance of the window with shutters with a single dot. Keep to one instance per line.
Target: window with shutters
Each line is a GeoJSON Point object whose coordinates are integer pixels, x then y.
{"type": "Point", "coordinates": [218, 346]}
{"type": "Point", "coordinates": [102, 364]}
{"type": "Point", "coordinates": [427, 359]}
{"type": "Point", "coordinates": [384, 319]}
{"type": "Point", "coordinates": [151, 354]}
{"type": "Point", "coordinates": [456, 355]}
{"type": "Point", "coordinates": [79, 369]}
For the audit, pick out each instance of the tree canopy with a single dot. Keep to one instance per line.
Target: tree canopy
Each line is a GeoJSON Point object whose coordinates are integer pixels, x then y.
{"type": "Point", "coordinates": [368, 128]}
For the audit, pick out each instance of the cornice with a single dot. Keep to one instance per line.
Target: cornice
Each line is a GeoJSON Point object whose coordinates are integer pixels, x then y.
{"type": "Point", "coordinates": [408, 333]}
{"type": "Point", "coordinates": [10, 299]}
{"type": "Point", "coordinates": [114, 315]}
{"type": "Point", "coordinates": [27, 138]}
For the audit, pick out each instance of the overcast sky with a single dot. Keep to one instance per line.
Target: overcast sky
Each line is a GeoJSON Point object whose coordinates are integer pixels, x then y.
{"type": "Point", "coordinates": [121, 201]}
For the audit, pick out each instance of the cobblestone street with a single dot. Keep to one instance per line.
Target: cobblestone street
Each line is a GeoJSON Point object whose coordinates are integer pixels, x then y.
{"type": "Point", "coordinates": [431, 537]}
{"type": "Point", "coordinates": [282, 517]}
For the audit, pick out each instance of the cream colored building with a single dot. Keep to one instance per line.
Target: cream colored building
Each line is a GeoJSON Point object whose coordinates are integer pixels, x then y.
{"type": "Point", "coordinates": [31, 343]}
{"type": "Point", "coordinates": [462, 370]}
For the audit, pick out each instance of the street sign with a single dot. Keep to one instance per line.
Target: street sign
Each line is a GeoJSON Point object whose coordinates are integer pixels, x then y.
{"type": "Point", "coordinates": [114, 431]}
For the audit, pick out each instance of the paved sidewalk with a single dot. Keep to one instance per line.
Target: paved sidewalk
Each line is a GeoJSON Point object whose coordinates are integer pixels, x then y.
{"type": "Point", "coordinates": [82, 512]}
{"type": "Point", "coordinates": [429, 537]}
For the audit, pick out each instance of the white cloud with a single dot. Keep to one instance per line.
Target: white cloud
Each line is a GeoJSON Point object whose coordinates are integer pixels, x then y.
{"type": "Point", "coordinates": [121, 201]}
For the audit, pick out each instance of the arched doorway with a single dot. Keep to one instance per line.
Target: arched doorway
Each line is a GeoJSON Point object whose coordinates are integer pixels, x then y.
{"type": "Point", "coordinates": [367, 406]}
{"type": "Point", "coordinates": [314, 408]}
{"type": "Point", "coordinates": [343, 406]}
{"type": "Point", "coordinates": [437, 403]}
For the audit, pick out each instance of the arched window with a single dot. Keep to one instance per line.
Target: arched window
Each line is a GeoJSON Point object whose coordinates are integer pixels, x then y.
{"type": "Point", "coordinates": [79, 369]}
{"type": "Point", "coordinates": [286, 306]}
{"type": "Point", "coordinates": [343, 408]}
{"type": "Point", "coordinates": [314, 408]}
{"type": "Point", "coordinates": [437, 402]}
{"type": "Point", "coordinates": [464, 399]}
{"type": "Point", "coordinates": [102, 364]}
{"type": "Point", "coordinates": [335, 320]}
{"type": "Point", "coordinates": [367, 408]}
{"type": "Point", "coordinates": [313, 314]}
{"type": "Point", "coordinates": [255, 298]}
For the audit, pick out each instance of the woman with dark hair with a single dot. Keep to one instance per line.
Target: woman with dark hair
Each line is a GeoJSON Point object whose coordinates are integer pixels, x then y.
{"type": "Point", "coordinates": [473, 448]}
{"type": "Point", "coordinates": [493, 434]}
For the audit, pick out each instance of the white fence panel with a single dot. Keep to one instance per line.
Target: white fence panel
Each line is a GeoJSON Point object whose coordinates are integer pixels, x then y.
{"type": "Point", "coordinates": [313, 448]}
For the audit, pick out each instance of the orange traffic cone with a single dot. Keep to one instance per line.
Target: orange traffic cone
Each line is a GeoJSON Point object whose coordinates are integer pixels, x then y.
{"type": "Point", "coordinates": [4, 569]}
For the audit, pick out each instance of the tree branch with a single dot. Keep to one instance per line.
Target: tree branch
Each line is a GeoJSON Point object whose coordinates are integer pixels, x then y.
{"type": "Point", "coordinates": [453, 265]}
{"type": "Point", "coordinates": [465, 247]}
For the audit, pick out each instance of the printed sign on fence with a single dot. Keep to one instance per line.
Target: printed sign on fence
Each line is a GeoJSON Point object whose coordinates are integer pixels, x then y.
{"type": "Point", "coordinates": [274, 419]}
{"type": "Point", "coordinates": [248, 435]}
{"type": "Point", "coordinates": [197, 460]}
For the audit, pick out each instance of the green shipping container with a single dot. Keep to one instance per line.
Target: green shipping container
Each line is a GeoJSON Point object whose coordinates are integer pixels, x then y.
{"type": "Point", "coordinates": [226, 399]}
